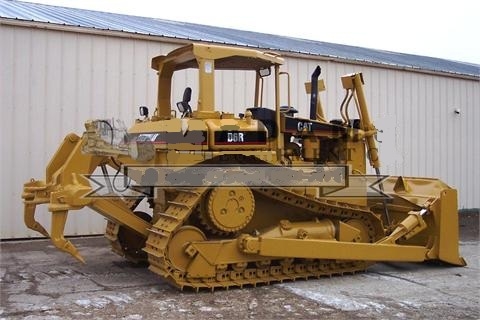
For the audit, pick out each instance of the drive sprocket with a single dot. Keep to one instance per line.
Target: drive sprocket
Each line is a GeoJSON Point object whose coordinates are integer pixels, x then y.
{"type": "Point", "coordinates": [228, 209]}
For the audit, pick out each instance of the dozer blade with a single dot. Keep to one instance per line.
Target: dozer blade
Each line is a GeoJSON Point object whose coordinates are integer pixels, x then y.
{"type": "Point", "coordinates": [448, 229]}
{"type": "Point", "coordinates": [441, 235]}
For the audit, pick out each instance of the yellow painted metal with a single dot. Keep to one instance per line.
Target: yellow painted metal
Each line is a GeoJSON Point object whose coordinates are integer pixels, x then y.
{"type": "Point", "coordinates": [66, 188]}
{"type": "Point", "coordinates": [323, 249]}
{"type": "Point", "coordinates": [210, 237]}
{"type": "Point", "coordinates": [447, 215]}
{"type": "Point", "coordinates": [116, 210]}
{"type": "Point", "coordinates": [320, 229]}
{"type": "Point", "coordinates": [354, 82]}
{"type": "Point", "coordinates": [230, 209]}
{"type": "Point", "coordinates": [30, 222]}
{"type": "Point", "coordinates": [178, 251]}
{"type": "Point", "coordinates": [280, 147]}
{"type": "Point", "coordinates": [351, 231]}
{"type": "Point", "coordinates": [206, 99]}
{"type": "Point", "coordinates": [206, 58]}
{"type": "Point", "coordinates": [59, 218]}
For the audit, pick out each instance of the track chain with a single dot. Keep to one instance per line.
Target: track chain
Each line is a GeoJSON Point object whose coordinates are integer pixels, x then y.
{"type": "Point", "coordinates": [112, 229]}
{"type": "Point", "coordinates": [168, 222]}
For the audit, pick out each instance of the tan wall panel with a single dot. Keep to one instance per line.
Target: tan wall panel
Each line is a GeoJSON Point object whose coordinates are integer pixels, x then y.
{"type": "Point", "coordinates": [51, 82]}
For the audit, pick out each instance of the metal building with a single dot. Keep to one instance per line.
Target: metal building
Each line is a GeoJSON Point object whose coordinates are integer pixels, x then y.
{"type": "Point", "coordinates": [62, 66]}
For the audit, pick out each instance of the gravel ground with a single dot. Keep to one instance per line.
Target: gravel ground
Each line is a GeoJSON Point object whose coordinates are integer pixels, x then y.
{"type": "Point", "coordinates": [40, 282]}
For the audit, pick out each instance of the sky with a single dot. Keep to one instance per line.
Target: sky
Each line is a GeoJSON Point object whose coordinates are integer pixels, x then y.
{"type": "Point", "coordinates": [443, 29]}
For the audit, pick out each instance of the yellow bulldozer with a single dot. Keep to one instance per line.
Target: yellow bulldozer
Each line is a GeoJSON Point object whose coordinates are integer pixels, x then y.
{"type": "Point", "coordinates": [244, 199]}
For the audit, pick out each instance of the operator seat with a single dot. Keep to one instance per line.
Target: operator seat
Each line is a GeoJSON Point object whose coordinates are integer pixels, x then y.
{"type": "Point", "coordinates": [184, 106]}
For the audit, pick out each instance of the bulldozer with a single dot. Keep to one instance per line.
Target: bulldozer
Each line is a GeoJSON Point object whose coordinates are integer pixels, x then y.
{"type": "Point", "coordinates": [259, 197]}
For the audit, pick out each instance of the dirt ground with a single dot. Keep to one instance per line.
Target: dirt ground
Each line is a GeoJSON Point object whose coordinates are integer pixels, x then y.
{"type": "Point", "coordinates": [40, 282]}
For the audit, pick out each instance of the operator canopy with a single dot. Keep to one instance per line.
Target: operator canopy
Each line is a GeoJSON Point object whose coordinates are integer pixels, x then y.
{"type": "Point", "coordinates": [224, 57]}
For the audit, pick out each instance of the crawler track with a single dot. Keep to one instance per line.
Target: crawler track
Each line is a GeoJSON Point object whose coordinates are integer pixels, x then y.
{"type": "Point", "coordinates": [253, 272]}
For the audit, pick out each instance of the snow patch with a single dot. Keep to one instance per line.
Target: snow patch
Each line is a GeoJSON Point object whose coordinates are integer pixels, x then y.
{"type": "Point", "coordinates": [339, 302]}
{"type": "Point", "coordinates": [101, 301]}
{"type": "Point", "coordinates": [83, 302]}
{"type": "Point", "coordinates": [163, 305]}
{"type": "Point", "coordinates": [153, 290]}
{"type": "Point", "coordinates": [288, 307]}
{"type": "Point", "coordinates": [409, 304]}
{"type": "Point", "coordinates": [205, 309]}
{"type": "Point", "coordinates": [36, 317]}
{"type": "Point", "coordinates": [253, 304]}
{"type": "Point", "coordinates": [133, 317]}
{"type": "Point", "coordinates": [78, 313]}
{"type": "Point", "coordinates": [29, 302]}
{"type": "Point", "coordinates": [119, 299]}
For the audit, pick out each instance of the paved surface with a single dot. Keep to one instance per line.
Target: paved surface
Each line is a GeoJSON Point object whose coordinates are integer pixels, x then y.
{"type": "Point", "coordinates": [39, 282]}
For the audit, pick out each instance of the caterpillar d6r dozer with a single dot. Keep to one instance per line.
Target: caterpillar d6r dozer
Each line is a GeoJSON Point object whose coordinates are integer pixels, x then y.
{"type": "Point", "coordinates": [233, 200]}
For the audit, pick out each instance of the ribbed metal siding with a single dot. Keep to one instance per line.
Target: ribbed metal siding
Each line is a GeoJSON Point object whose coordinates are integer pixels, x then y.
{"type": "Point", "coordinates": [52, 81]}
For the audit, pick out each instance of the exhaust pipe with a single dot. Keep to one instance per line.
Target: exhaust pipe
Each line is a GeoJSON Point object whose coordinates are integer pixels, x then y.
{"type": "Point", "coordinates": [314, 93]}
